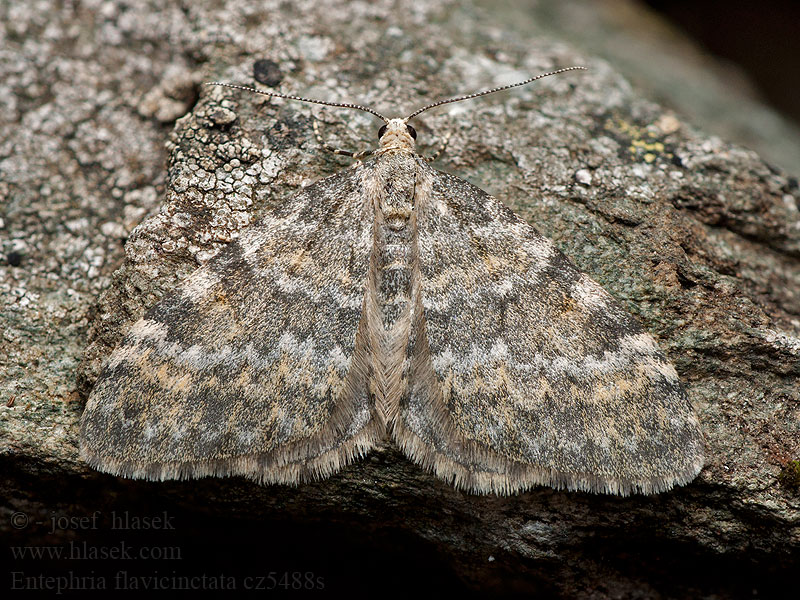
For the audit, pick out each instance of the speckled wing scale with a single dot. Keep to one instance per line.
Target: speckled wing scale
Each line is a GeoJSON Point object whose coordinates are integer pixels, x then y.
{"type": "Point", "coordinates": [392, 300]}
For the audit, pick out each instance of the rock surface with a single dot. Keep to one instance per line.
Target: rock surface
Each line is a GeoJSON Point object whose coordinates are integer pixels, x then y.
{"type": "Point", "coordinates": [699, 238]}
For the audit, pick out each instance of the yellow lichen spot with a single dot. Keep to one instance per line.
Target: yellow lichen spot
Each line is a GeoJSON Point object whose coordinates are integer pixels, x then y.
{"type": "Point", "coordinates": [642, 141]}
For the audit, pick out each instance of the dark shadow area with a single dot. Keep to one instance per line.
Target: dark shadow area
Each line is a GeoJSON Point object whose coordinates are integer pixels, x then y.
{"type": "Point", "coordinates": [186, 552]}
{"type": "Point", "coordinates": [74, 537]}
{"type": "Point", "coordinates": [96, 533]}
{"type": "Point", "coordinates": [761, 38]}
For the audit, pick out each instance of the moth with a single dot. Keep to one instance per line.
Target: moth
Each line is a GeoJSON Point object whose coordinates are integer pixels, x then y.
{"type": "Point", "coordinates": [391, 300]}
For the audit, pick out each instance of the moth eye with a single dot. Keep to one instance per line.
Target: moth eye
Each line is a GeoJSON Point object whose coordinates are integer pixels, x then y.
{"type": "Point", "coordinates": [412, 131]}
{"type": "Point", "coordinates": [381, 131]}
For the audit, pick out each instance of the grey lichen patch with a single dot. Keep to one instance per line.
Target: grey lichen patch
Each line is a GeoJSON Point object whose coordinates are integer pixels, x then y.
{"type": "Point", "coordinates": [173, 96]}
{"type": "Point", "coordinates": [78, 168]}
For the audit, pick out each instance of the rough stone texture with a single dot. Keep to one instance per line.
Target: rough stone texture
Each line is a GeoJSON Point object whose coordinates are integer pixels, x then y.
{"type": "Point", "coordinates": [660, 61]}
{"type": "Point", "coordinates": [697, 237]}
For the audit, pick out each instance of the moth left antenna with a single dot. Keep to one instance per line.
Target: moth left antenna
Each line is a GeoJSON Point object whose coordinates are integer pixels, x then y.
{"type": "Point", "coordinates": [301, 99]}
{"type": "Point", "coordinates": [493, 90]}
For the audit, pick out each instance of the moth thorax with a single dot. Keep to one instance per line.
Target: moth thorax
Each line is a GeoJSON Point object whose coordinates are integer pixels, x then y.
{"type": "Point", "coordinates": [396, 134]}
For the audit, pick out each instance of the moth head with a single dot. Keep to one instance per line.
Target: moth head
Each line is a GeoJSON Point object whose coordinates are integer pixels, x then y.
{"type": "Point", "coordinates": [396, 134]}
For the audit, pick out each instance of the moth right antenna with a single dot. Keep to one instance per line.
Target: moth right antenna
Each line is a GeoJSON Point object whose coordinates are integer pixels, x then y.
{"type": "Point", "coordinates": [493, 90]}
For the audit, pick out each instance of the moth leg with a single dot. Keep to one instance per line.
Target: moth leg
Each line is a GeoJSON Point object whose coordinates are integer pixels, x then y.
{"type": "Point", "coordinates": [442, 146]}
{"type": "Point", "coordinates": [321, 142]}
